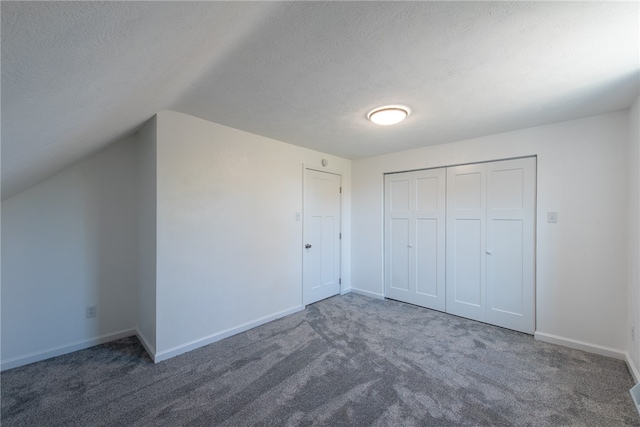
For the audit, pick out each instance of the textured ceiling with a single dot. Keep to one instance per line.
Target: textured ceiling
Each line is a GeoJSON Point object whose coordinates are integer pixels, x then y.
{"type": "Point", "coordinates": [77, 76]}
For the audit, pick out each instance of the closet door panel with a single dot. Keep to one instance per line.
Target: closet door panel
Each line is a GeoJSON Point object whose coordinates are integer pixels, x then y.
{"type": "Point", "coordinates": [429, 240]}
{"type": "Point", "coordinates": [399, 193]}
{"type": "Point", "coordinates": [428, 191]}
{"type": "Point", "coordinates": [467, 267]}
{"type": "Point", "coordinates": [505, 267]}
{"type": "Point", "coordinates": [511, 244]}
{"type": "Point", "coordinates": [398, 188]}
{"type": "Point", "coordinates": [399, 254]}
{"type": "Point", "coordinates": [466, 241]}
{"type": "Point", "coordinates": [426, 247]}
{"type": "Point", "coordinates": [506, 183]}
{"type": "Point", "coordinates": [417, 246]}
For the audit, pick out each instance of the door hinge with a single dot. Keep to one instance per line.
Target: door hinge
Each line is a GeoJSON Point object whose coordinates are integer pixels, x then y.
{"type": "Point", "coordinates": [340, 235]}
{"type": "Point", "coordinates": [340, 190]}
{"type": "Point", "coordinates": [340, 281]}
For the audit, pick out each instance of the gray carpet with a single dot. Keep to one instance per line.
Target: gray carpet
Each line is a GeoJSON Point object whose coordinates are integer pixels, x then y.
{"type": "Point", "coordinates": [348, 360]}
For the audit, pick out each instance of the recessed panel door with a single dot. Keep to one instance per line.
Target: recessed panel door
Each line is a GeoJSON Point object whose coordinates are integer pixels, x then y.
{"type": "Point", "coordinates": [429, 238]}
{"type": "Point", "coordinates": [466, 241]}
{"type": "Point", "coordinates": [398, 217]}
{"type": "Point", "coordinates": [321, 235]}
{"type": "Point", "coordinates": [510, 244]}
{"type": "Point", "coordinates": [415, 237]}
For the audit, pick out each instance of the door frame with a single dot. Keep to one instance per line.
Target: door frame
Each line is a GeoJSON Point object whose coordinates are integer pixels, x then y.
{"type": "Point", "coordinates": [305, 167]}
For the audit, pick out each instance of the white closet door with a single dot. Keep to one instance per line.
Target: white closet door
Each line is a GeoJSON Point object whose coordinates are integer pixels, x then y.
{"type": "Point", "coordinates": [415, 237]}
{"type": "Point", "coordinates": [510, 244]}
{"type": "Point", "coordinates": [429, 238]}
{"type": "Point", "coordinates": [487, 212]}
{"type": "Point", "coordinates": [398, 188]}
{"type": "Point", "coordinates": [466, 241]}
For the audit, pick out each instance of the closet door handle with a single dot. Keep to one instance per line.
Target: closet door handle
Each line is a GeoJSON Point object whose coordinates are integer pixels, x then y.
{"type": "Point", "coordinates": [489, 252]}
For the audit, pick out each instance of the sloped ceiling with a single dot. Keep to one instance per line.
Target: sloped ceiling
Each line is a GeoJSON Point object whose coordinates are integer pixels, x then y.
{"type": "Point", "coordinates": [77, 76]}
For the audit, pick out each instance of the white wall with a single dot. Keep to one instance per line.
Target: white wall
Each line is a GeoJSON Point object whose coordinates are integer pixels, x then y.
{"type": "Point", "coordinates": [146, 227]}
{"type": "Point", "coordinates": [229, 250]}
{"type": "Point", "coordinates": [581, 261]}
{"type": "Point", "coordinates": [634, 240]}
{"type": "Point", "coordinates": [67, 243]}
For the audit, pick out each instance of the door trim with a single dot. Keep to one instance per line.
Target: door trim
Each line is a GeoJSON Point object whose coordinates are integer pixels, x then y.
{"type": "Point", "coordinates": [451, 165]}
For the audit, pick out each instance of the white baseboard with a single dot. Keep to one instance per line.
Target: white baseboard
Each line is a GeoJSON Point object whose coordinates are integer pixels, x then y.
{"type": "Point", "coordinates": [177, 350]}
{"type": "Point", "coordinates": [146, 344]}
{"type": "Point", "coordinates": [63, 349]}
{"type": "Point", "coordinates": [632, 367]}
{"type": "Point", "coordinates": [367, 293]}
{"type": "Point", "coordinates": [345, 291]}
{"type": "Point", "coordinates": [581, 345]}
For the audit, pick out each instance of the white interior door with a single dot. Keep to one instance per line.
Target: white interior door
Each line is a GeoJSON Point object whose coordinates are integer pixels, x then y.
{"type": "Point", "coordinates": [510, 244]}
{"type": "Point", "coordinates": [466, 241]}
{"type": "Point", "coordinates": [415, 237]}
{"type": "Point", "coordinates": [321, 234]}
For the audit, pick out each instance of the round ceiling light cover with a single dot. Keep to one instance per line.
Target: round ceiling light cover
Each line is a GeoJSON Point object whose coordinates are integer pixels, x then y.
{"type": "Point", "coordinates": [388, 115]}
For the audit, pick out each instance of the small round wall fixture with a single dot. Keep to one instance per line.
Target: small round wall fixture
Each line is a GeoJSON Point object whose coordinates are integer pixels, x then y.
{"type": "Point", "coordinates": [325, 162]}
{"type": "Point", "coordinates": [388, 115]}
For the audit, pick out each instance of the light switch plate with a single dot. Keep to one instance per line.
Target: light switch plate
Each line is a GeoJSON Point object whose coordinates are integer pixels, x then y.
{"type": "Point", "coordinates": [552, 217]}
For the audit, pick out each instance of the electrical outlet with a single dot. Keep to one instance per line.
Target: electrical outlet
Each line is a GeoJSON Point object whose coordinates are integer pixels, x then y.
{"type": "Point", "coordinates": [633, 333]}
{"type": "Point", "coordinates": [92, 311]}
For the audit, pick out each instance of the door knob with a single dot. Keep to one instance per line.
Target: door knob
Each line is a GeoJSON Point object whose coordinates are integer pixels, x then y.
{"type": "Point", "coordinates": [307, 246]}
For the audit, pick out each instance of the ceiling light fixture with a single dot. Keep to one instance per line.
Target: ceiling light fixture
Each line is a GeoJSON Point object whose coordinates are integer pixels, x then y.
{"type": "Point", "coordinates": [388, 115]}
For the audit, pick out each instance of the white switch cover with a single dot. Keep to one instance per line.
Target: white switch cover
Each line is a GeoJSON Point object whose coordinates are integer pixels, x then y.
{"type": "Point", "coordinates": [552, 217]}
{"type": "Point", "coordinates": [297, 216]}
